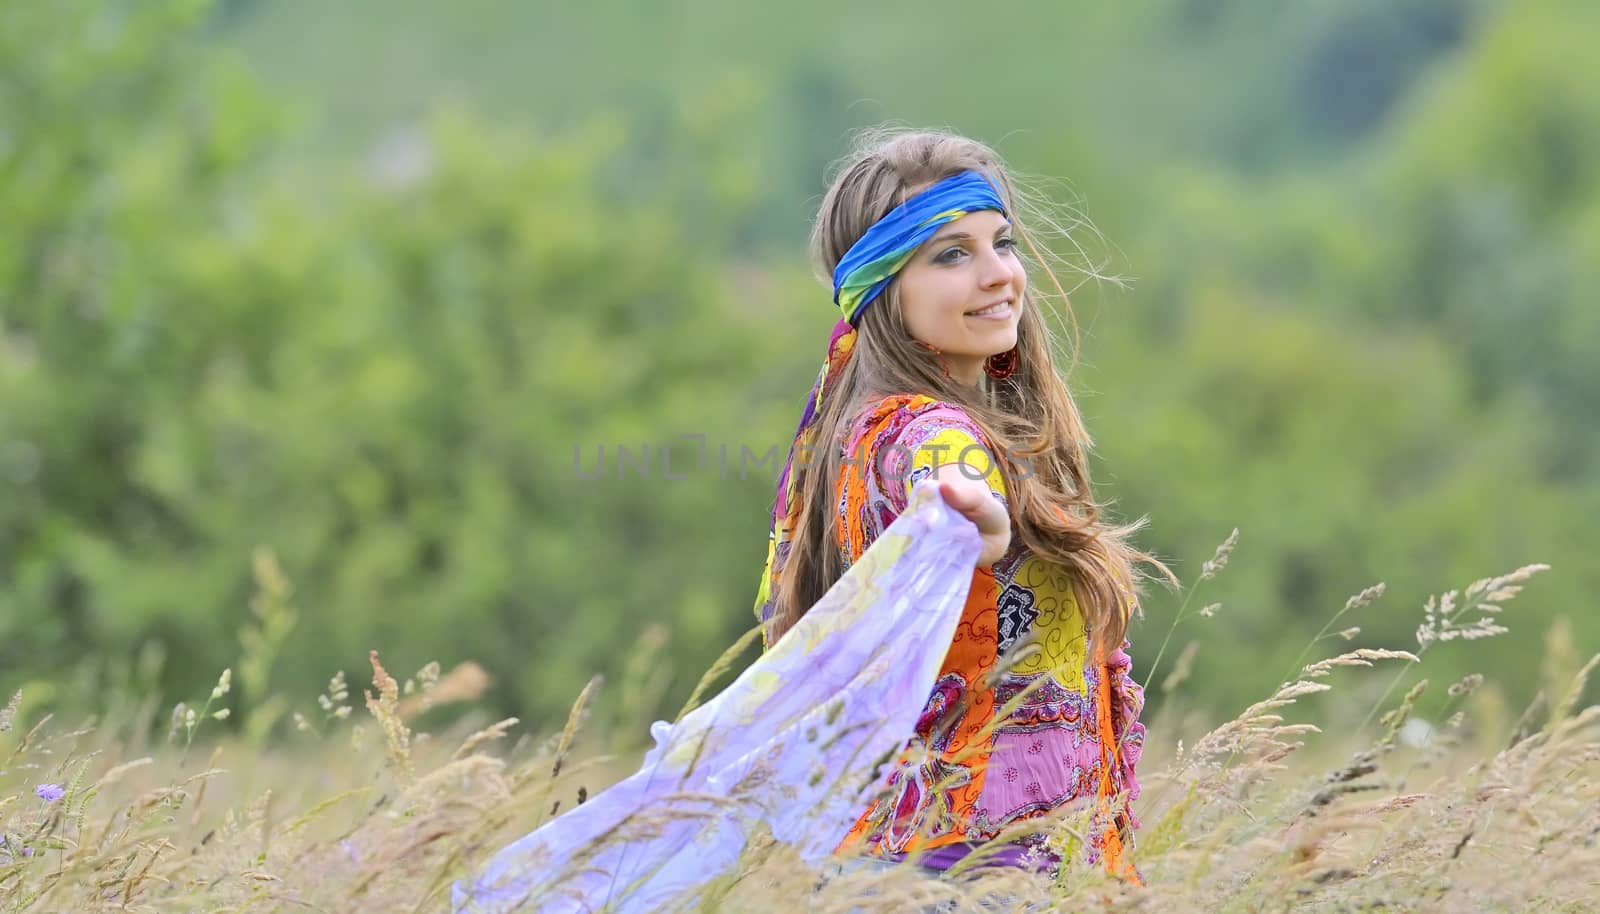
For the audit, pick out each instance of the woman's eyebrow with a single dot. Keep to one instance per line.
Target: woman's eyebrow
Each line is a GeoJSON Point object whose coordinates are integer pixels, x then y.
{"type": "Point", "coordinates": [963, 236]}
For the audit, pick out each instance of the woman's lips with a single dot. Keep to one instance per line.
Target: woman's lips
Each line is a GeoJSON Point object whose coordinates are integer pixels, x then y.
{"type": "Point", "coordinates": [998, 312]}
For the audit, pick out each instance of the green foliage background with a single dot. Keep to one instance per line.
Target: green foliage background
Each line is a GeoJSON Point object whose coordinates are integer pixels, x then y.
{"type": "Point", "coordinates": [359, 286]}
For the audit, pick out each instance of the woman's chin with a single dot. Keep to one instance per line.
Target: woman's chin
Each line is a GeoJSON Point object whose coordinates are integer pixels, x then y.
{"type": "Point", "coordinates": [1005, 341]}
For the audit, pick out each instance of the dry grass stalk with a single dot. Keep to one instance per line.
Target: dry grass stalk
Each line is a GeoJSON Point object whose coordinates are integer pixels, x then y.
{"type": "Point", "coordinates": [467, 681]}
{"type": "Point", "coordinates": [385, 707]}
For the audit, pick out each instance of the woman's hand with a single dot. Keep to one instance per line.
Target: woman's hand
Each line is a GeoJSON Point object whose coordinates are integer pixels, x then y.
{"type": "Point", "coordinates": [972, 498]}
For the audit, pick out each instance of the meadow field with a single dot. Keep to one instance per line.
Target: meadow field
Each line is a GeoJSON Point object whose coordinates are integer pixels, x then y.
{"type": "Point", "coordinates": [1328, 795]}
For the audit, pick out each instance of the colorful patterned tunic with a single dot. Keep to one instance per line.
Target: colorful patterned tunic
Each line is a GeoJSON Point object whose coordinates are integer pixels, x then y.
{"type": "Point", "coordinates": [1060, 744]}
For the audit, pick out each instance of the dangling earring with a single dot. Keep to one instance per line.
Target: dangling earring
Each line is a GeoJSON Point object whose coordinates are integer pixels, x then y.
{"type": "Point", "coordinates": [938, 355]}
{"type": "Point", "coordinates": [1001, 365]}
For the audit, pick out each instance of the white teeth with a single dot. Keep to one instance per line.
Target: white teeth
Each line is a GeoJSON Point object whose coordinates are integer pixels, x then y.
{"type": "Point", "coordinates": [992, 309]}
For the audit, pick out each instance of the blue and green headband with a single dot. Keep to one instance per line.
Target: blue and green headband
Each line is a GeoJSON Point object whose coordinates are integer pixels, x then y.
{"type": "Point", "coordinates": [877, 256]}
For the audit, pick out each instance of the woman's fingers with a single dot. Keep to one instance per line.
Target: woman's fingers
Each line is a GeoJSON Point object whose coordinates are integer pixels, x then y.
{"type": "Point", "coordinates": [973, 500]}
{"type": "Point", "coordinates": [976, 504]}
{"type": "Point", "coordinates": [958, 496]}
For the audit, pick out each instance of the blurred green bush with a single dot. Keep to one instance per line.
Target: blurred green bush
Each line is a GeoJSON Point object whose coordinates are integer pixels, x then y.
{"type": "Point", "coordinates": [1372, 350]}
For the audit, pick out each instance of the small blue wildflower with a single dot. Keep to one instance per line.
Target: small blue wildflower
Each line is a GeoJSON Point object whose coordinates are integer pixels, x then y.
{"type": "Point", "coordinates": [49, 792]}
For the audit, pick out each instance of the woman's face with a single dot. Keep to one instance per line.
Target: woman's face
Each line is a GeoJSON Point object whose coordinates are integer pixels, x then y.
{"type": "Point", "coordinates": [961, 292]}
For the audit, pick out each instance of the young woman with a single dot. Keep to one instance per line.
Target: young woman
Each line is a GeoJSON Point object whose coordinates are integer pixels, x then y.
{"type": "Point", "coordinates": [942, 365]}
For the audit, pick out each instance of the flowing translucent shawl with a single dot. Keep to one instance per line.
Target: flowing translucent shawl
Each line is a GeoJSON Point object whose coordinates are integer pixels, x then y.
{"type": "Point", "coordinates": [794, 745]}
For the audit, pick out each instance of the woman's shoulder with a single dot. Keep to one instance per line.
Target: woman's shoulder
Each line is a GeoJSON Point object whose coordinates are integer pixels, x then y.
{"type": "Point", "coordinates": [889, 418]}
{"type": "Point", "coordinates": [914, 422]}
{"type": "Point", "coordinates": [904, 438]}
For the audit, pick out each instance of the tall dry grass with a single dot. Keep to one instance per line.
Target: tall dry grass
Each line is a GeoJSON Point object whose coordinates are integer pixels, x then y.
{"type": "Point", "coordinates": [1295, 804]}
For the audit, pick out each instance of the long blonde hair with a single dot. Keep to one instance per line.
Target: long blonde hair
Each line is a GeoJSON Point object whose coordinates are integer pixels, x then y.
{"type": "Point", "coordinates": [1030, 416]}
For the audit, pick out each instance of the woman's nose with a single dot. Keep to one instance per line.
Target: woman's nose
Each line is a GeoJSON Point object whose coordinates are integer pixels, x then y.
{"type": "Point", "coordinates": [993, 271]}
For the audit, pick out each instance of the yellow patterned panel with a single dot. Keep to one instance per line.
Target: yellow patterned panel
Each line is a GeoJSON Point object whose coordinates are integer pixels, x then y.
{"type": "Point", "coordinates": [956, 443]}
{"type": "Point", "coordinates": [1059, 630]}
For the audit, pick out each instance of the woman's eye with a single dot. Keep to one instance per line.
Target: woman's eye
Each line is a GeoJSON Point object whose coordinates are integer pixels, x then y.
{"type": "Point", "coordinates": [950, 255]}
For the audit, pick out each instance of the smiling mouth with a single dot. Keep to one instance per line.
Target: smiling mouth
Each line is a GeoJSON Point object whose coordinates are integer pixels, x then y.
{"type": "Point", "coordinates": [1003, 309]}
